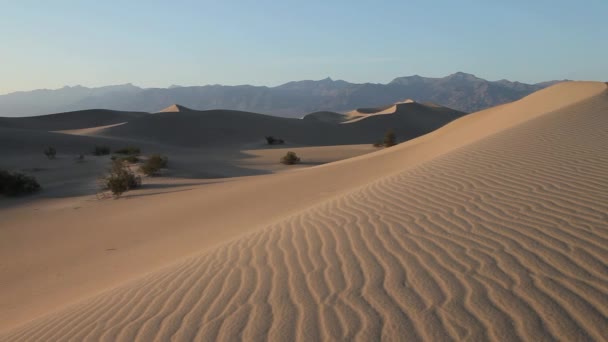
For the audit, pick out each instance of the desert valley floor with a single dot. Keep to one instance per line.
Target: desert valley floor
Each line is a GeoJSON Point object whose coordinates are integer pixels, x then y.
{"type": "Point", "coordinates": [492, 227]}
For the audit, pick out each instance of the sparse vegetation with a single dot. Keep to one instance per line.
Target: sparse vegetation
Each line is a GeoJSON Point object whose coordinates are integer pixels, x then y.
{"type": "Point", "coordinates": [101, 150]}
{"type": "Point", "coordinates": [50, 152]}
{"type": "Point", "coordinates": [388, 141]}
{"type": "Point", "coordinates": [14, 184]}
{"type": "Point", "coordinates": [132, 159]}
{"type": "Point", "coordinates": [389, 138]}
{"type": "Point", "coordinates": [121, 179]}
{"type": "Point", "coordinates": [130, 150]}
{"type": "Point", "coordinates": [290, 158]}
{"type": "Point", "coordinates": [274, 141]}
{"type": "Point", "coordinates": [154, 164]}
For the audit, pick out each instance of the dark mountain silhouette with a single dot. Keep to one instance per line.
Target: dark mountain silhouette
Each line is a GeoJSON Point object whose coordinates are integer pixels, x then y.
{"type": "Point", "coordinates": [460, 91]}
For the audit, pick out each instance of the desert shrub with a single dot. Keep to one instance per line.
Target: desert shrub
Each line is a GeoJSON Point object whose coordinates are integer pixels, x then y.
{"type": "Point", "coordinates": [274, 141]}
{"type": "Point", "coordinates": [101, 150]}
{"type": "Point", "coordinates": [290, 158]}
{"type": "Point", "coordinates": [13, 184]}
{"type": "Point", "coordinates": [50, 152]}
{"type": "Point", "coordinates": [129, 150]}
{"type": "Point", "coordinates": [389, 138]}
{"type": "Point", "coordinates": [121, 179]}
{"type": "Point", "coordinates": [132, 159]}
{"type": "Point", "coordinates": [154, 164]}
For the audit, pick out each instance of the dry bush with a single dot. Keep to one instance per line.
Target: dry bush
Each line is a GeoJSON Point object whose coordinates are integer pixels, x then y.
{"type": "Point", "coordinates": [14, 183]}
{"type": "Point", "coordinates": [290, 158]}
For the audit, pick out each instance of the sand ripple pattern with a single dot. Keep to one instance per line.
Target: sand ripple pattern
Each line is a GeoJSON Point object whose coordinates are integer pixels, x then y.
{"type": "Point", "coordinates": [505, 239]}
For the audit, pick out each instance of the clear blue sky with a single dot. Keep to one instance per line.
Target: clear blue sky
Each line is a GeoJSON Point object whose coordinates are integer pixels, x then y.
{"type": "Point", "coordinates": [48, 44]}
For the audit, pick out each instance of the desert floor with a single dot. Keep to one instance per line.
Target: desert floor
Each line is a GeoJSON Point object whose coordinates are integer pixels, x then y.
{"type": "Point", "coordinates": [493, 227]}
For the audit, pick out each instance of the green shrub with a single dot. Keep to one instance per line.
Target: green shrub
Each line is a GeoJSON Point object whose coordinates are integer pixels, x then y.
{"type": "Point", "coordinates": [101, 150]}
{"type": "Point", "coordinates": [154, 164]}
{"type": "Point", "coordinates": [290, 158]}
{"type": "Point", "coordinates": [129, 150]}
{"type": "Point", "coordinates": [389, 138]}
{"type": "Point", "coordinates": [13, 184]}
{"type": "Point", "coordinates": [50, 152]}
{"type": "Point", "coordinates": [121, 179]}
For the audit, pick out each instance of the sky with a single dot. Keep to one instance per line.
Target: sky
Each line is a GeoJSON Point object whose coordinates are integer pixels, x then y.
{"type": "Point", "coordinates": [50, 44]}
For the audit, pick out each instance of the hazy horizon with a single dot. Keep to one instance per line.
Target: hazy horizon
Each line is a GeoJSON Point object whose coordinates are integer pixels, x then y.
{"type": "Point", "coordinates": [50, 45]}
{"type": "Point", "coordinates": [260, 85]}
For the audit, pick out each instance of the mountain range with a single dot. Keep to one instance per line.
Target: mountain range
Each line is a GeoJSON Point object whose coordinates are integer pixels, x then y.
{"type": "Point", "coordinates": [460, 91]}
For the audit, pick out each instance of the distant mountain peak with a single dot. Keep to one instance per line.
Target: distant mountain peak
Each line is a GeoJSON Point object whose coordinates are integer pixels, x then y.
{"type": "Point", "coordinates": [77, 86]}
{"type": "Point", "coordinates": [175, 108]}
{"type": "Point", "coordinates": [463, 76]}
{"type": "Point", "coordinates": [408, 80]}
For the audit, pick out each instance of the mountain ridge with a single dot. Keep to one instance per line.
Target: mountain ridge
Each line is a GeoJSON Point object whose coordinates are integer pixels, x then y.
{"type": "Point", "coordinates": [461, 91]}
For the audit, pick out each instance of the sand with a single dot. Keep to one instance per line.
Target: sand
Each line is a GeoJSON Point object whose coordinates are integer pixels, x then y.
{"type": "Point", "coordinates": [71, 120]}
{"type": "Point", "coordinates": [493, 227]}
{"type": "Point", "coordinates": [363, 113]}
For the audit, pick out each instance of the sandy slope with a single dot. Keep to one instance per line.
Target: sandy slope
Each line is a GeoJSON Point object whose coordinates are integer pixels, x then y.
{"type": "Point", "coordinates": [71, 120]}
{"type": "Point", "coordinates": [491, 228]}
{"type": "Point", "coordinates": [362, 113]}
{"type": "Point", "coordinates": [174, 108]}
{"type": "Point", "coordinates": [89, 130]}
{"type": "Point", "coordinates": [232, 128]}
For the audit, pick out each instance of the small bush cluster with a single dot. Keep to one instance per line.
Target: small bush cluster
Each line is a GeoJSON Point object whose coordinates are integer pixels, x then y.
{"type": "Point", "coordinates": [13, 184]}
{"type": "Point", "coordinates": [121, 179]}
{"type": "Point", "coordinates": [274, 141]}
{"type": "Point", "coordinates": [154, 164]}
{"type": "Point", "coordinates": [388, 141]}
{"type": "Point", "coordinates": [131, 159]}
{"type": "Point", "coordinates": [101, 150]}
{"type": "Point", "coordinates": [290, 158]}
{"type": "Point", "coordinates": [50, 152]}
{"type": "Point", "coordinates": [130, 150]}
{"type": "Point", "coordinates": [390, 138]}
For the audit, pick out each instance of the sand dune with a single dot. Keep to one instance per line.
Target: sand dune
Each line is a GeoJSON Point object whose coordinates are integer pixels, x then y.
{"type": "Point", "coordinates": [89, 130]}
{"type": "Point", "coordinates": [493, 227]}
{"type": "Point", "coordinates": [325, 116]}
{"type": "Point", "coordinates": [229, 128]}
{"type": "Point", "coordinates": [175, 108]}
{"type": "Point", "coordinates": [399, 109]}
{"type": "Point", "coordinates": [381, 110]}
{"type": "Point", "coordinates": [71, 120]}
